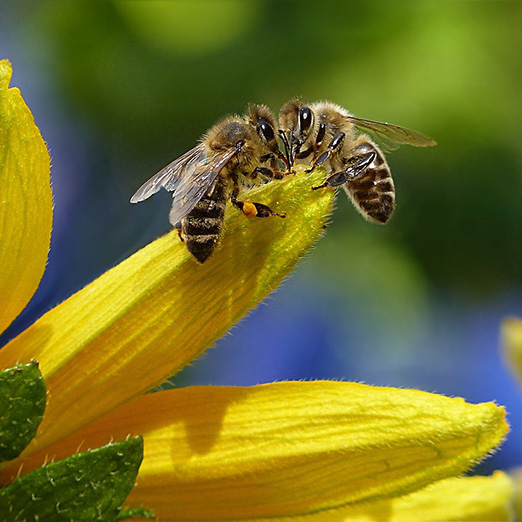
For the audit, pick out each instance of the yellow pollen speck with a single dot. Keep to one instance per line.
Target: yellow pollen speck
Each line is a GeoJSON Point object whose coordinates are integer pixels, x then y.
{"type": "Point", "coordinates": [249, 209]}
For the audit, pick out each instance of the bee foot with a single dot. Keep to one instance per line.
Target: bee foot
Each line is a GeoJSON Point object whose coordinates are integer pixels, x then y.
{"type": "Point", "coordinates": [180, 232]}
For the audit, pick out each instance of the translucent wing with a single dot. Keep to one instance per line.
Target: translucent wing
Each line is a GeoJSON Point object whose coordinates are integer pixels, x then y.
{"type": "Point", "coordinates": [171, 175]}
{"type": "Point", "coordinates": [393, 133]}
{"type": "Point", "coordinates": [193, 186]}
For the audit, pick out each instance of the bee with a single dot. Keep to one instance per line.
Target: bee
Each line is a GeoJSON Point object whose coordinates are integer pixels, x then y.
{"type": "Point", "coordinates": [203, 179]}
{"type": "Point", "coordinates": [325, 133]}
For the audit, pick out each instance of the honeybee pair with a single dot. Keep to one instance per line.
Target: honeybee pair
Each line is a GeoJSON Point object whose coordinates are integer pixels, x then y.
{"type": "Point", "coordinates": [239, 149]}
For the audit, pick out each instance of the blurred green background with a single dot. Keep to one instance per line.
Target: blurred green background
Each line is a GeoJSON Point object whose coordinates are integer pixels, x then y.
{"type": "Point", "coordinates": [119, 89]}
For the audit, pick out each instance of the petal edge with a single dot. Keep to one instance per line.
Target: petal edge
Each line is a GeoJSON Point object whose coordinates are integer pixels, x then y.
{"type": "Point", "coordinates": [26, 206]}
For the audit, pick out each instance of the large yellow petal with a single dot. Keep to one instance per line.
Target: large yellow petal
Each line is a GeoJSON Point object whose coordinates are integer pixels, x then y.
{"type": "Point", "coordinates": [26, 208]}
{"type": "Point", "coordinates": [155, 312]}
{"type": "Point", "coordinates": [473, 499]}
{"type": "Point", "coordinates": [287, 449]}
{"type": "Point", "coordinates": [512, 345]}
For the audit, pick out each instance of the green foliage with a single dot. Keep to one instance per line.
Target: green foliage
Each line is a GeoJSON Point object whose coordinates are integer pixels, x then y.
{"type": "Point", "coordinates": [84, 487]}
{"type": "Point", "coordinates": [22, 405]}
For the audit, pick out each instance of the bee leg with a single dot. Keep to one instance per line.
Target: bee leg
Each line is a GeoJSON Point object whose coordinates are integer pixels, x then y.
{"type": "Point", "coordinates": [267, 157]}
{"type": "Point", "coordinates": [319, 161]}
{"type": "Point", "coordinates": [251, 209]}
{"type": "Point", "coordinates": [356, 166]}
{"type": "Point", "coordinates": [339, 178]}
{"type": "Point", "coordinates": [265, 171]}
{"type": "Point", "coordinates": [180, 232]}
{"type": "Point", "coordinates": [272, 158]}
{"type": "Point", "coordinates": [248, 208]}
{"type": "Point", "coordinates": [333, 147]}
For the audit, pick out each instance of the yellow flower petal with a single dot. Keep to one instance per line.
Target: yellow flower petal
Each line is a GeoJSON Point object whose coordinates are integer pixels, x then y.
{"type": "Point", "coordinates": [474, 499]}
{"type": "Point", "coordinates": [458, 499]}
{"type": "Point", "coordinates": [26, 209]}
{"type": "Point", "coordinates": [512, 344]}
{"type": "Point", "coordinates": [288, 449]}
{"type": "Point", "coordinates": [155, 312]}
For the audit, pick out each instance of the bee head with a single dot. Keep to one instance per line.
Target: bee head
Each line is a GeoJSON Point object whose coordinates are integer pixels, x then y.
{"type": "Point", "coordinates": [262, 120]}
{"type": "Point", "coordinates": [296, 122]}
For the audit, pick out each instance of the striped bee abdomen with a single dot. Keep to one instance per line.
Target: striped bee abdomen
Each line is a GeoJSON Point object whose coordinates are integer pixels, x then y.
{"type": "Point", "coordinates": [372, 192]}
{"type": "Point", "coordinates": [203, 225]}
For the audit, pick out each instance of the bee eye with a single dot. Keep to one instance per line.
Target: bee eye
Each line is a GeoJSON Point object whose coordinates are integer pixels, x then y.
{"type": "Point", "coordinates": [265, 130]}
{"type": "Point", "coordinates": [306, 117]}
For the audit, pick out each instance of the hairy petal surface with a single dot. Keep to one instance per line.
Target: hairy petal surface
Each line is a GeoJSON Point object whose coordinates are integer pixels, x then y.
{"type": "Point", "coordinates": [289, 449]}
{"type": "Point", "coordinates": [472, 499]}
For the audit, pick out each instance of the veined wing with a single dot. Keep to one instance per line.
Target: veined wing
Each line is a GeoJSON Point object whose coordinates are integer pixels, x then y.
{"type": "Point", "coordinates": [194, 186]}
{"type": "Point", "coordinates": [394, 133]}
{"type": "Point", "coordinates": [170, 176]}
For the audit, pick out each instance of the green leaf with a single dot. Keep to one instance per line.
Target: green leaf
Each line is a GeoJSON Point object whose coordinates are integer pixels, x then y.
{"type": "Point", "coordinates": [135, 512]}
{"type": "Point", "coordinates": [84, 487]}
{"type": "Point", "coordinates": [22, 405]}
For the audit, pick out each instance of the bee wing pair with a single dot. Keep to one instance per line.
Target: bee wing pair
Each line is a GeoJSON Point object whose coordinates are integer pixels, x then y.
{"type": "Point", "coordinates": [188, 177]}
{"type": "Point", "coordinates": [390, 135]}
